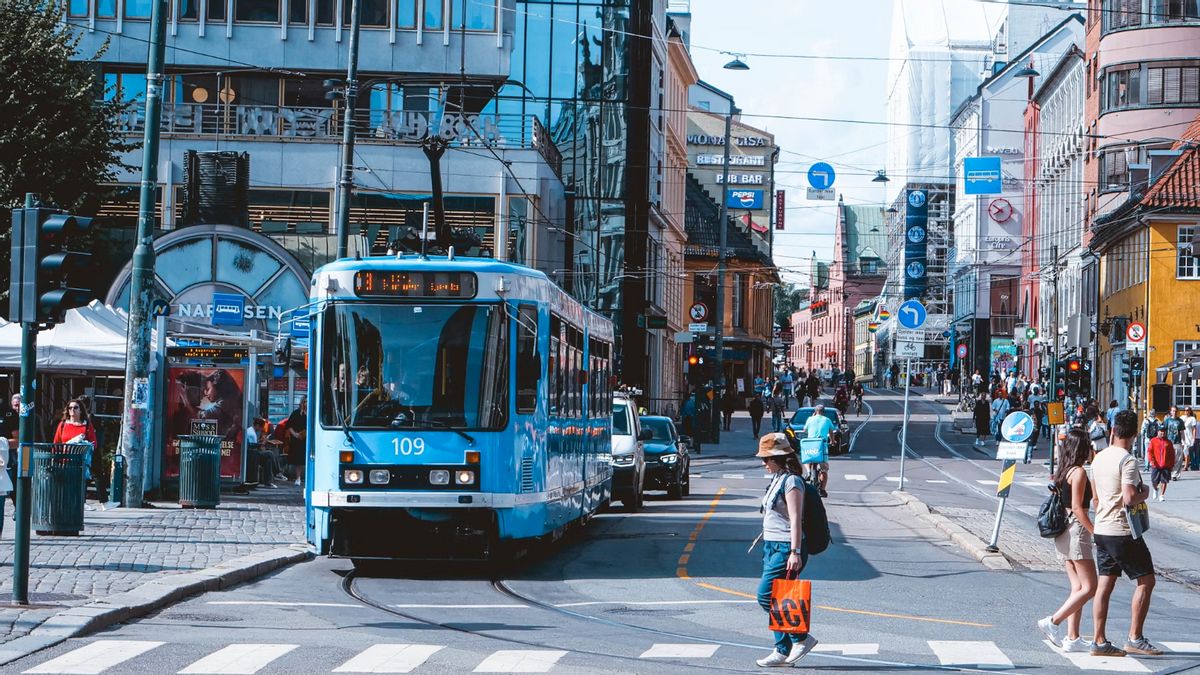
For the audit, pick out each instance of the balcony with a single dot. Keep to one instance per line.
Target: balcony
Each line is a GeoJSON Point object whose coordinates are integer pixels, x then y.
{"type": "Point", "coordinates": [270, 123]}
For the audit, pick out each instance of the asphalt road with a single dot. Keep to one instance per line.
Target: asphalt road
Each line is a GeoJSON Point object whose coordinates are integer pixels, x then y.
{"type": "Point", "coordinates": [666, 590]}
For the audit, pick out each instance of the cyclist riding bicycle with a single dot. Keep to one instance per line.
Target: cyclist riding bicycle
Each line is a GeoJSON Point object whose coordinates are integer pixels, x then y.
{"type": "Point", "coordinates": [857, 391]}
{"type": "Point", "coordinates": [819, 426]}
{"type": "Point", "coordinates": [841, 399]}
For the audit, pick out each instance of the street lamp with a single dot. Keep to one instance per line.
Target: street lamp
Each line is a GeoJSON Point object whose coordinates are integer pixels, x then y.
{"type": "Point", "coordinates": [880, 176]}
{"type": "Point", "coordinates": [723, 225]}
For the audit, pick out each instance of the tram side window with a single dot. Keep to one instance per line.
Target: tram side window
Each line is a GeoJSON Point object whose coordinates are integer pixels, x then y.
{"type": "Point", "coordinates": [556, 374]}
{"type": "Point", "coordinates": [529, 362]}
{"type": "Point", "coordinates": [576, 373]}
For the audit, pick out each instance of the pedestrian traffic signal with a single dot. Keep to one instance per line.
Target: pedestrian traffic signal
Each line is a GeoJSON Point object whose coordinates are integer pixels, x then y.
{"type": "Point", "coordinates": [1137, 364]}
{"type": "Point", "coordinates": [697, 371]}
{"type": "Point", "coordinates": [1084, 378]}
{"type": "Point", "coordinates": [51, 271]}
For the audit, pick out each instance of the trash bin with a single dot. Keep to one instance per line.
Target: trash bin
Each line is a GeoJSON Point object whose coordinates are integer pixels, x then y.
{"type": "Point", "coordinates": [58, 488]}
{"type": "Point", "coordinates": [116, 485]}
{"type": "Point", "coordinates": [199, 471]}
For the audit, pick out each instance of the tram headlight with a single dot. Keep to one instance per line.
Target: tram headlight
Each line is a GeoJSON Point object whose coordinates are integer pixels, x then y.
{"type": "Point", "coordinates": [379, 476]}
{"type": "Point", "coordinates": [353, 476]}
{"type": "Point", "coordinates": [439, 477]}
{"type": "Point", "coordinates": [464, 477]}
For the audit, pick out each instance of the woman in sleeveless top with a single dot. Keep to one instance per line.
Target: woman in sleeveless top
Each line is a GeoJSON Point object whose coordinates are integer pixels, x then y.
{"type": "Point", "coordinates": [1075, 544]}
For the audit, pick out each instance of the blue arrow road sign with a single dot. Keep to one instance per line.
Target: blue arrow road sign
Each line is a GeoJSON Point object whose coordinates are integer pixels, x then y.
{"type": "Point", "coordinates": [821, 175]}
{"type": "Point", "coordinates": [1017, 427]}
{"type": "Point", "coordinates": [911, 314]}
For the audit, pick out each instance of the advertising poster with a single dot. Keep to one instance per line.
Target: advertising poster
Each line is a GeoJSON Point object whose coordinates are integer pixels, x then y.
{"type": "Point", "coordinates": [206, 400]}
{"type": "Point", "coordinates": [1004, 355]}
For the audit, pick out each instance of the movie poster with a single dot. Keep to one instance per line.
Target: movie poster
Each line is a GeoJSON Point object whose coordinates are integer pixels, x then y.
{"type": "Point", "coordinates": [206, 400]}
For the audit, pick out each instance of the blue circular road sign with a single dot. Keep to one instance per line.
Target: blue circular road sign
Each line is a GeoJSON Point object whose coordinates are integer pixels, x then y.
{"type": "Point", "coordinates": [911, 314]}
{"type": "Point", "coordinates": [1017, 427]}
{"type": "Point", "coordinates": [821, 175]}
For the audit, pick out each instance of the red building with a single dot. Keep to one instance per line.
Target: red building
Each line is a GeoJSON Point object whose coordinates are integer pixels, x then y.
{"type": "Point", "coordinates": [824, 329]}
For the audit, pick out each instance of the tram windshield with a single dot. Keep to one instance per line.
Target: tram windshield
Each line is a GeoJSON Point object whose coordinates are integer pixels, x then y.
{"type": "Point", "coordinates": [415, 367]}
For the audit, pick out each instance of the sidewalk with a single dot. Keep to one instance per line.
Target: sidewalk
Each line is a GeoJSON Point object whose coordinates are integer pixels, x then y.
{"type": "Point", "coordinates": [122, 550]}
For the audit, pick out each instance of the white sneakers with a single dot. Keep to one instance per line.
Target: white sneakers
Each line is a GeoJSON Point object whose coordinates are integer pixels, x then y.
{"type": "Point", "coordinates": [1053, 632]}
{"type": "Point", "coordinates": [1077, 645]}
{"type": "Point", "coordinates": [799, 649]}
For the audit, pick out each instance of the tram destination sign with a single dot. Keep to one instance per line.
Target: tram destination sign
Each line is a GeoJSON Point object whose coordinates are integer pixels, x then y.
{"type": "Point", "coordinates": [410, 284]}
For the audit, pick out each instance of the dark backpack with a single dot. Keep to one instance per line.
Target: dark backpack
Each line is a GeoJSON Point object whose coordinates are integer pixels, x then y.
{"type": "Point", "coordinates": [1052, 517]}
{"type": "Point", "coordinates": [816, 523]}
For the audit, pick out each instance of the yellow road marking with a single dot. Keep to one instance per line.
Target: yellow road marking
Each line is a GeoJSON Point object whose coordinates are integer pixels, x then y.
{"type": "Point", "coordinates": [681, 572]}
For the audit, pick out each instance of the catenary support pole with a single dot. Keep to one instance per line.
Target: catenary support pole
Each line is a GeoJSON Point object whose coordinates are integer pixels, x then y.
{"type": "Point", "coordinates": [719, 316]}
{"type": "Point", "coordinates": [904, 426]}
{"type": "Point", "coordinates": [141, 293]}
{"type": "Point", "coordinates": [346, 182]}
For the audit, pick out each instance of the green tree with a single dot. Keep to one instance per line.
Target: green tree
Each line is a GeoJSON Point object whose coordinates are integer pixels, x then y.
{"type": "Point", "coordinates": [58, 139]}
{"type": "Point", "coordinates": [787, 300]}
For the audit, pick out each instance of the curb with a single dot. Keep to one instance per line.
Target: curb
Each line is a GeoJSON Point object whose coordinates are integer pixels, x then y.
{"type": "Point", "coordinates": [150, 596]}
{"type": "Point", "coordinates": [968, 542]}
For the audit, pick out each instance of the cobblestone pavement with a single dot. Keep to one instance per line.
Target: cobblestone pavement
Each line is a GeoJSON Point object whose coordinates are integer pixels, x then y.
{"type": "Point", "coordinates": [1019, 542]}
{"type": "Point", "coordinates": [121, 549]}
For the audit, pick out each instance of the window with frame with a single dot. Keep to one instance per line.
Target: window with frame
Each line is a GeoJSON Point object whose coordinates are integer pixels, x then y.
{"type": "Point", "coordinates": [1122, 14]}
{"type": "Point", "coordinates": [256, 11]}
{"type": "Point", "coordinates": [1186, 265]}
{"type": "Point", "coordinates": [555, 366]}
{"type": "Point", "coordinates": [1124, 87]}
{"type": "Point", "coordinates": [1171, 11]}
{"type": "Point", "coordinates": [1114, 168]}
{"type": "Point", "coordinates": [1187, 394]}
{"type": "Point", "coordinates": [1173, 83]}
{"type": "Point", "coordinates": [374, 13]}
{"type": "Point", "coordinates": [473, 15]}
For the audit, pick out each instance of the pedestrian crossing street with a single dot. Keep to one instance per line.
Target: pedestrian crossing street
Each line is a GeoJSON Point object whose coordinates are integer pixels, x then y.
{"type": "Point", "coordinates": [104, 656]}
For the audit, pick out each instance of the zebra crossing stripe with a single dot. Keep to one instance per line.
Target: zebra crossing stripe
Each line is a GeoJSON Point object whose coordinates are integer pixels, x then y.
{"type": "Point", "coordinates": [679, 651]}
{"type": "Point", "coordinates": [855, 476]}
{"type": "Point", "coordinates": [969, 653]}
{"type": "Point", "coordinates": [520, 661]}
{"type": "Point", "coordinates": [239, 659]}
{"type": "Point", "coordinates": [95, 657]}
{"type": "Point", "coordinates": [1085, 661]}
{"type": "Point", "coordinates": [391, 658]}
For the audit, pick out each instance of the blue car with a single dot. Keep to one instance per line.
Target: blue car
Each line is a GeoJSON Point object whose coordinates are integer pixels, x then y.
{"type": "Point", "coordinates": [667, 459]}
{"type": "Point", "coordinates": [839, 440]}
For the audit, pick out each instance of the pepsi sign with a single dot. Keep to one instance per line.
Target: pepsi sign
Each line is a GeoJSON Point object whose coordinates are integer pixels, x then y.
{"type": "Point", "coordinates": [745, 199]}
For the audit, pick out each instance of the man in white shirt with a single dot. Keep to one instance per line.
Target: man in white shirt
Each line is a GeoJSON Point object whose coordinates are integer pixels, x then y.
{"type": "Point", "coordinates": [1117, 484]}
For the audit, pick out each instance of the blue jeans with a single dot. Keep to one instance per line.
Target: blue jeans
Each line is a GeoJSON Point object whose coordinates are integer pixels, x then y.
{"type": "Point", "coordinates": [775, 555]}
{"type": "Point", "coordinates": [776, 421]}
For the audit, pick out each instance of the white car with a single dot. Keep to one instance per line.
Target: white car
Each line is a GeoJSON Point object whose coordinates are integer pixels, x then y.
{"type": "Point", "coordinates": [628, 453]}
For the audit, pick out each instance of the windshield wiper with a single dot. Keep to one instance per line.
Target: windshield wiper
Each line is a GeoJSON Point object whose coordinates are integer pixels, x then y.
{"type": "Point", "coordinates": [460, 432]}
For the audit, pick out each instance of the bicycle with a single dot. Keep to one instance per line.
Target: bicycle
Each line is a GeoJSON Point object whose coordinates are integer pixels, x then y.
{"type": "Point", "coordinates": [858, 405]}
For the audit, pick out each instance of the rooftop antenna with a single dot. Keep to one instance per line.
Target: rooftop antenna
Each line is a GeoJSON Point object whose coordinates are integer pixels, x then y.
{"type": "Point", "coordinates": [424, 229]}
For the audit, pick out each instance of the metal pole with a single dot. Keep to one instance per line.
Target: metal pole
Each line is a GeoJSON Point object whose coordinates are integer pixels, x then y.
{"type": "Point", "coordinates": [141, 293]}
{"type": "Point", "coordinates": [24, 437]}
{"type": "Point", "coordinates": [719, 343]}
{"type": "Point", "coordinates": [904, 426]}
{"type": "Point", "coordinates": [346, 183]}
{"type": "Point", "coordinates": [1053, 353]}
{"type": "Point", "coordinates": [992, 543]}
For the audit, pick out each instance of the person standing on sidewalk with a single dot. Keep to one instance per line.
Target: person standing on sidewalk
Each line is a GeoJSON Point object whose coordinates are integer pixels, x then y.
{"type": "Point", "coordinates": [777, 404]}
{"type": "Point", "coordinates": [76, 427]}
{"type": "Point", "coordinates": [1161, 455]}
{"type": "Point", "coordinates": [297, 428]}
{"type": "Point", "coordinates": [1075, 545]}
{"type": "Point", "coordinates": [1189, 441]}
{"type": "Point", "coordinates": [728, 405]}
{"type": "Point", "coordinates": [1173, 423]}
{"type": "Point", "coordinates": [983, 419]}
{"type": "Point", "coordinates": [784, 554]}
{"type": "Point", "coordinates": [1116, 484]}
{"type": "Point", "coordinates": [1149, 430]}
{"type": "Point", "coordinates": [756, 410]}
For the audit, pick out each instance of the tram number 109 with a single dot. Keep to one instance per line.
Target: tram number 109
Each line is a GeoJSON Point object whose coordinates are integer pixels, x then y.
{"type": "Point", "coordinates": [408, 446]}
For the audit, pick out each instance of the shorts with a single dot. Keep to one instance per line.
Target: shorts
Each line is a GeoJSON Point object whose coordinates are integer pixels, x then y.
{"type": "Point", "coordinates": [1160, 476]}
{"type": "Point", "coordinates": [1075, 543]}
{"type": "Point", "coordinates": [1122, 553]}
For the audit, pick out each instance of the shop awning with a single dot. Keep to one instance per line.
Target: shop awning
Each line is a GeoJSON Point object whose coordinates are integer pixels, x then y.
{"type": "Point", "coordinates": [89, 339]}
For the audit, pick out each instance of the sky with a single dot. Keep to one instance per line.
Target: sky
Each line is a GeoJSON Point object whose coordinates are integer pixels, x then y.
{"type": "Point", "coordinates": [821, 87]}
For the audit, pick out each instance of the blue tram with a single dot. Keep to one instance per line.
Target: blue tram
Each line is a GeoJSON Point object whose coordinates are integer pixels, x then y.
{"type": "Point", "coordinates": [457, 406]}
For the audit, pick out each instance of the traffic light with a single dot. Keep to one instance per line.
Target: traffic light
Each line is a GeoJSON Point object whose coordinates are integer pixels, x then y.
{"type": "Point", "coordinates": [696, 370]}
{"type": "Point", "coordinates": [1126, 370]}
{"type": "Point", "coordinates": [51, 271]}
{"type": "Point", "coordinates": [1072, 381]}
{"type": "Point", "coordinates": [1085, 378]}
{"type": "Point", "coordinates": [1137, 365]}
{"type": "Point", "coordinates": [1061, 376]}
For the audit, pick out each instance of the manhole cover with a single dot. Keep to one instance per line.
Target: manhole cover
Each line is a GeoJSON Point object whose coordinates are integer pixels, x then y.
{"type": "Point", "coordinates": [200, 618]}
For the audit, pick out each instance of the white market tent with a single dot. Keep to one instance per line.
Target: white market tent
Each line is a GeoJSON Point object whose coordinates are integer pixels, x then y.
{"type": "Point", "coordinates": [90, 338]}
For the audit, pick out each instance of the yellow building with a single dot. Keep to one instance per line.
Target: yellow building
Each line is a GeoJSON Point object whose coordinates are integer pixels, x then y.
{"type": "Point", "coordinates": [1148, 275]}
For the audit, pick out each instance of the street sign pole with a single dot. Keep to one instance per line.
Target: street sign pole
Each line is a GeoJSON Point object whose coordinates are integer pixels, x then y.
{"type": "Point", "coordinates": [1002, 490]}
{"type": "Point", "coordinates": [904, 427]}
